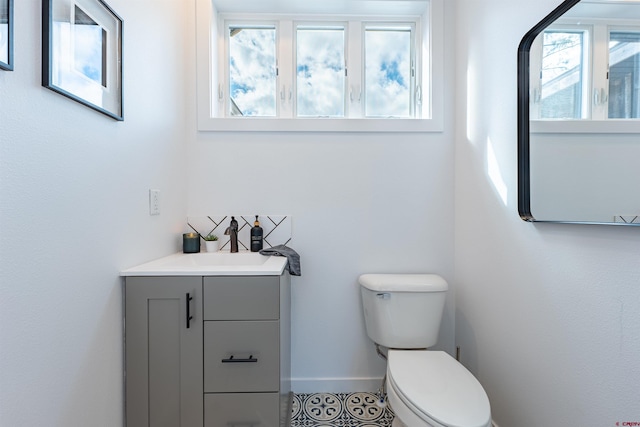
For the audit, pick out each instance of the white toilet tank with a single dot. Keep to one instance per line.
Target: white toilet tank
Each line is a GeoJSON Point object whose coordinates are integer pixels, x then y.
{"type": "Point", "coordinates": [403, 310]}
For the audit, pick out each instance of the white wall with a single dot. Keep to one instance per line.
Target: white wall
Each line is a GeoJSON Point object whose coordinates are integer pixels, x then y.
{"type": "Point", "coordinates": [360, 203]}
{"type": "Point", "coordinates": [74, 212]}
{"type": "Point", "coordinates": [546, 315]}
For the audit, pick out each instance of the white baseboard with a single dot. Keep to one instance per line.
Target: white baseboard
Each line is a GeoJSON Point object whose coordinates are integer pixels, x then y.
{"type": "Point", "coordinates": [334, 385]}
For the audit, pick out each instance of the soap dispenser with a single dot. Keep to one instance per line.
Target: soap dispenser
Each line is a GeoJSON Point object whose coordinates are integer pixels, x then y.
{"type": "Point", "coordinates": [256, 236]}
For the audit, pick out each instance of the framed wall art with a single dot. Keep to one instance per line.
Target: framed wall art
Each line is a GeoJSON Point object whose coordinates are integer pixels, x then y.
{"type": "Point", "coordinates": [6, 35]}
{"type": "Point", "coordinates": [82, 53]}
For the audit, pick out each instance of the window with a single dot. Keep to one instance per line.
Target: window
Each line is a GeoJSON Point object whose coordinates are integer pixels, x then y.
{"type": "Point", "coordinates": [563, 75]}
{"type": "Point", "coordinates": [252, 71]}
{"type": "Point", "coordinates": [389, 72]}
{"type": "Point", "coordinates": [586, 72]}
{"type": "Point", "coordinates": [320, 73]}
{"type": "Point", "coordinates": [624, 75]}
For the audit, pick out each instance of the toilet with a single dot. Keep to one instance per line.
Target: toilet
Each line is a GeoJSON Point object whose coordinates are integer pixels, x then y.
{"type": "Point", "coordinates": [425, 388]}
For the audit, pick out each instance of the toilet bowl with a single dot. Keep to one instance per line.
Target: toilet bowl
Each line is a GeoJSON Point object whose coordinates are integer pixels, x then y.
{"type": "Point", "coordinates": [431, 389]}
{"type": "Point", "coordinates": [425, 388]}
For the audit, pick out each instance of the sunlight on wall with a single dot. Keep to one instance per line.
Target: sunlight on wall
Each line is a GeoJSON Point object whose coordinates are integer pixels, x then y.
{"type": "Point", "coordinates": [472, 115]}
{"type": "Point", "coordinates": [474, 118]}
{"type": "Point", "coordinates": [493, 170]}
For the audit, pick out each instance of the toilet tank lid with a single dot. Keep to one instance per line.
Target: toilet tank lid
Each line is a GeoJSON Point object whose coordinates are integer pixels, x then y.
{"type": "Point", "coordinates": [403, 282]}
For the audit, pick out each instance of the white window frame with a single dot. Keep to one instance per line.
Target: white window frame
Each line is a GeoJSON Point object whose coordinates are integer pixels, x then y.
{"type": "Point", "coordinates": [209, 44]}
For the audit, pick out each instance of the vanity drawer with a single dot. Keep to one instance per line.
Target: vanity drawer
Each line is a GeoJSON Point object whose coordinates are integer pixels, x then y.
{"type": "Point", "coordinates": [241, 356]}
{"type": "Point", "coordinates": [241, 298]}
{"type": "Point", "coordinates": [241, 410]}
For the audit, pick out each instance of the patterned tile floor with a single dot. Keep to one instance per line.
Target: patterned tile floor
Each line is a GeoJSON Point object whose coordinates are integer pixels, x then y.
{"type": "Point", "coordinates": [339, 410]}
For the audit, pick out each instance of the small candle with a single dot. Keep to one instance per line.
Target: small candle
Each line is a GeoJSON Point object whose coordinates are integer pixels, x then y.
{"type": "Point", "coordinates": [190, 243]}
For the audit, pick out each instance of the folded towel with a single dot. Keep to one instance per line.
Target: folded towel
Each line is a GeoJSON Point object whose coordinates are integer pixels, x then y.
{"type": "Point", "coordinates": [292, 256]}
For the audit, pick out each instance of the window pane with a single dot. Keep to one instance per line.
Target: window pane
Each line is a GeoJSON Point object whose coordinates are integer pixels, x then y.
{"type": "Point", "coordinates": [388, 72]}
{"type": "Point", "coordinates": [320, 84]}
{"type": "Point", "coordinates": [562, 75]}
{"type": "Point", "coordinates": [624, 78]}
{"type": "Point", "coordinates": [252, 71]}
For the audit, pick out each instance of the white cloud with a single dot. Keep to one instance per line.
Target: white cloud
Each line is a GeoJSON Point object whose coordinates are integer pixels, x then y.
{"type": "Point", "coordinates": [320, 73]}
{"type": "Point", "coordinates": [253, 71]}
{"type": "Point", "coordinates": [387, 75]}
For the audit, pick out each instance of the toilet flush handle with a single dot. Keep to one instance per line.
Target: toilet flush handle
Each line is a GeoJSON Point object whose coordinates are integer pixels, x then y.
{"type": "Point", "coordinates": [384, 295]}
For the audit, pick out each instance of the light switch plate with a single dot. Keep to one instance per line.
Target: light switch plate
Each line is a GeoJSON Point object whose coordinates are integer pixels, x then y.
{"type": "Point", "coordinates": [154, 202]}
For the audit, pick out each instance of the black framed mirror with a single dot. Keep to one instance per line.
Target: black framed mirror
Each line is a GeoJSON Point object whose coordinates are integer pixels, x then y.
{"type": "Point", "coordinates": [579, 115]}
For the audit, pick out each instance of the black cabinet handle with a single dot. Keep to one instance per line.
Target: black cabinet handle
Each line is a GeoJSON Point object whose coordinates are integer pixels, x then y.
{"type": "Point", "coordinates": [189, 316]}
{"type": "Point", "coordinates": [251, 359]}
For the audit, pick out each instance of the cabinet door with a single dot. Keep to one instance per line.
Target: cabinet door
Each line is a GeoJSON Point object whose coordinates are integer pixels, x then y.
{"type": "Point", "coordinates": [163, 351]}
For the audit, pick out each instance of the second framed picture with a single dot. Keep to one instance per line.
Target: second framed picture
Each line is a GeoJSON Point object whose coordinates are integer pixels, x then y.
{"type": "Point", "coordinates": [82, 53]}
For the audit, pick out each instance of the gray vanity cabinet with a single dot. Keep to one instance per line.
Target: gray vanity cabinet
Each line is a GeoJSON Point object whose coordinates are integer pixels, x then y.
{"type": "Point", "coordinates": [227, 365]}
{"type": "Point", "coordinates": [163, 351]}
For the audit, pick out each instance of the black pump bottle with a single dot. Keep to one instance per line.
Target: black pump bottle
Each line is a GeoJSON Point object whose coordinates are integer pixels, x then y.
{"type": "Point", "coordinates": [256, 236]}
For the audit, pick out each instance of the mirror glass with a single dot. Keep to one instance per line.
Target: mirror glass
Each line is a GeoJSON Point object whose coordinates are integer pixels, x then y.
{"type": "Point", "coordinates": [579, 115]}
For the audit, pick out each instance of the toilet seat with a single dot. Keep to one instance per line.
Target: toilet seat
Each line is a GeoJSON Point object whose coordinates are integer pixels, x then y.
{"type": "Point", "coordinates": [438, 389]}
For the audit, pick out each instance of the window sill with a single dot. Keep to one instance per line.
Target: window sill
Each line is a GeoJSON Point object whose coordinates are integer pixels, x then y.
{"type": "Point", "coordinates": [585, 126]}
{"type": "Point", "coordinates": [254, 124]}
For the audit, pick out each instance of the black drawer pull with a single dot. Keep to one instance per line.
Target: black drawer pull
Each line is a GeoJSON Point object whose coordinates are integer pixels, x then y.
{"type": "Point", "coordinates": [189, 316]}
{"type": "Point", "coordinates": [232, 360]}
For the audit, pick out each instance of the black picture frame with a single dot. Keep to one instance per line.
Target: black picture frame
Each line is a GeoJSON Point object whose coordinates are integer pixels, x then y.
{"type": "Point", "coordinates": [6, 35]}
{"type": "Point", "coordinates": [82, 53]}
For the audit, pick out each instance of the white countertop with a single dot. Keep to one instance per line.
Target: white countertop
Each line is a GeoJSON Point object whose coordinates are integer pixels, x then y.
{"type": "Point", "coordinates": [221, 263]}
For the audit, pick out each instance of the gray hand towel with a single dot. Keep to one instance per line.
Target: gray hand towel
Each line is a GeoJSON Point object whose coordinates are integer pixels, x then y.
{"type": "Point", "coordinates": [292, 256]}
